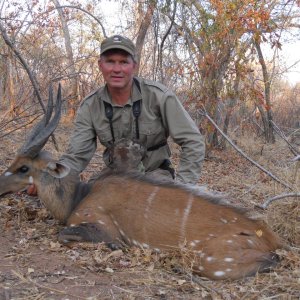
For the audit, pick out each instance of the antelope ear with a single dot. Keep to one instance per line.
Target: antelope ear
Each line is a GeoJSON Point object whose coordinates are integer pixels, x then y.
{"type": "Point", "coordinates": [57, 169]}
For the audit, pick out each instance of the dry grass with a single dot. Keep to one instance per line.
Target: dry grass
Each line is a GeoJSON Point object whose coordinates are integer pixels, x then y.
{"type": "Point", "coordinates": [33, 265]}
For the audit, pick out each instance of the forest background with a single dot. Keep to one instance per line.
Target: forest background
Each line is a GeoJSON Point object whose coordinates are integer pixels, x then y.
{"type": "Point", "coordinates": [216, 55]}
{"type": "Point", "coordinates": [226, 60]}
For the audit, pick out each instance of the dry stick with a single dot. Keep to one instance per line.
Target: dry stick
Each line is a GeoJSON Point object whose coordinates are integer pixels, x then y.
{"type": "Point", "coordinates": [29, 73]}
{"type": "Point", "coordinates": [204, 113]}
{"type": "Point", "coordinates": [17, 128]}
{"type": "Point", "coordinates": [282, 135]}
{"type": "Point", "coordinates": [268, 201]}
{"type": "Point", "coordinates": [15, 119]}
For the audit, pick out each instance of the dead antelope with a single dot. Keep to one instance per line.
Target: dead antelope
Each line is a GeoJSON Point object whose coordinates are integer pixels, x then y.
{"type": "Point", "coordinates": [126, 207]}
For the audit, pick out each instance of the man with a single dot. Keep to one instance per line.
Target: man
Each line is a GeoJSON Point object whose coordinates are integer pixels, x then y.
{"type": "Point", "coordinates": [137, 109]}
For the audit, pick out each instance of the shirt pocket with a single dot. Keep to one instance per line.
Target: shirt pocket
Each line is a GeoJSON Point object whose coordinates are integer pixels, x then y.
{"type": "Point", "coordinates": [152, 133]}
{"type": "Point", "coordinates": [149, 128]}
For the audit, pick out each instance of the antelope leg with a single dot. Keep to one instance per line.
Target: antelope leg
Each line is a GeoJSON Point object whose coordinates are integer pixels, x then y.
{"type": "Point", "coordinates": [88, 233]}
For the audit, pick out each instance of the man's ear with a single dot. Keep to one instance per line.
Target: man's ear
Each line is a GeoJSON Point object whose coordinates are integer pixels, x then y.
{"type": "Point", "coordinates": [99, 64]}
{"type": "Point", "coordinates": [57, 169]}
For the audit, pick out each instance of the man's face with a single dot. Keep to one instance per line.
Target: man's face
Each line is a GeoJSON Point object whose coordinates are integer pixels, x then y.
{"type": "Point", "coordinates": [117, 68]}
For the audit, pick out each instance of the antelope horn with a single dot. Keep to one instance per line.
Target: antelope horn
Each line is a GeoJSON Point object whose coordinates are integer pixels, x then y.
{"type": "Point", "coordinates": [42, 131]}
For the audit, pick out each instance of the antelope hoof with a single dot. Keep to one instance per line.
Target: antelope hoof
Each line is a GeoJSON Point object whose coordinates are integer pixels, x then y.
{"type": "Point", "coordinates": [82, 233]}
{"type": "Point", "coordinates": [114, 246]}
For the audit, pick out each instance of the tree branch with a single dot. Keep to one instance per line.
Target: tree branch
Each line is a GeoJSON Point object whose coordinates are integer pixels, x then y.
{"type": "Point", "coordinates": [19, 127]}
{"type": "Point", "coordinates": [30, 75]}
{"type": "Point", "coordinates": [282, 135]}
{"type": "Point", "coordinates": [87, 12]}
{"type": "Point", "coordinates": [278, 197]}
{"type": "Point", "coordinates": [25, 65]}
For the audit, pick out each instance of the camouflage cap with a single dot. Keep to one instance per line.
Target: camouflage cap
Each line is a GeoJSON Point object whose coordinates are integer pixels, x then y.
{"type": "Point", "coordinates": [118, 42]}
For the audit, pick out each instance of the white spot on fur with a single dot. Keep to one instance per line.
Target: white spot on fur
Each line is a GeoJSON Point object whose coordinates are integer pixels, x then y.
{"type": "Point", "coordinates": [197, 241]}
{"type": "Point", "coordinates": [122, 232]}
{"type": "Point", "coordinates": [228, 259]}
{"type": "Point", "coordinates": [72, 225]}
{"type": "Point", "coordinates": [134, 242]}
{"type": "Point", "coordinates": [229, 241]}
{"type": "Point", "coordinates": [192, 244]}
{"type": "Point", "coordinates": [186, 214]}
{"type": "Point", "coordinates": [224, 221]}
{"type": "Point", "coordinates": [146, 246]}
{"type": "Point", "coordinates": [30, 180]}
{"type": "Point", "coordinates": [150, 200]}
{"type": "Point", "coordinates": [77, 214]}
{"type": "Point", "coordinates": [228, 270]}
{"type": "Point", "coordinates": [101, 222]}
{"type": "Point", "coordinates": [8, 173]}
{"type": "Point", "coordinates": [84, 222]}
{"type": "Point", "coordinates": [219, 273]}
{"type": "Point", "coordinates": [156, 250]}
{"type": "Point", "coordinates": [250, 242]}
{"type": "Point", "coordinates": [101, 208]}
{"type": "Point", "coordinates": [212, 235]}
{"type": "Point", "coordinates": [201, 268]}
{"type": "Point", "coordinates": [201, 254]}
{"type": "Point", "coordinates": [209, 258]}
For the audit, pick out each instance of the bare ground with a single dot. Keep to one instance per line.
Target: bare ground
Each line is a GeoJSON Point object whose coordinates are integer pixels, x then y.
{"type": "Point", "coordinates": [33, 265]}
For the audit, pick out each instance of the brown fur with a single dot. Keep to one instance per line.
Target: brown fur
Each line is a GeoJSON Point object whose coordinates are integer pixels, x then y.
{"type": "Point", "coordinates": [224, 243]}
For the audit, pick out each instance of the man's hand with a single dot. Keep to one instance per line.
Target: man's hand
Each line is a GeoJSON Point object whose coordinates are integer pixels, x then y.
{"type": "Point", "coordinates": [31, 190]}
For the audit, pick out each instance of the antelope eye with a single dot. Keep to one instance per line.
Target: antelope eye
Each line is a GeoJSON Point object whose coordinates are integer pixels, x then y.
{"type": "Point", "coordinates": [23, 169]}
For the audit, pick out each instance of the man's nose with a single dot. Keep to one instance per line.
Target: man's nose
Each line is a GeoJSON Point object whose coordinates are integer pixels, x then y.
{"type": "Point", "coordinates": [117, 67]}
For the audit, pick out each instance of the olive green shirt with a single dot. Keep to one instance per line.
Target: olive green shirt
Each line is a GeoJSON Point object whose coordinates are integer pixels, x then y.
{"type": "Point", "coordinates": [162, 115]}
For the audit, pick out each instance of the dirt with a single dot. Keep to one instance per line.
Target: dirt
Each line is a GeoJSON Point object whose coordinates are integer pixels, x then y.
{"type": "Point", "coordinates": [33, 265]}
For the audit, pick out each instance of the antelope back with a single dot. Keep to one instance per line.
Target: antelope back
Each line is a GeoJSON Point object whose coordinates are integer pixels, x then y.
{"type": "Point", "coordinates": [220, 240]}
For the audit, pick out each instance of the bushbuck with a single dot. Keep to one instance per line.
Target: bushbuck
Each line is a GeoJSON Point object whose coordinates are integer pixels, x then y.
{"type": "Point", "coordinates": [123, 206]}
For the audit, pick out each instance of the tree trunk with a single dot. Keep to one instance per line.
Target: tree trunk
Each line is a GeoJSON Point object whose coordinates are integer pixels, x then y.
{"type": "Point", "coordinates": [269, 133]}
{"type": "Point", "coordinates": [145, 23]}
{"type": "Point", "coordinates": [74, 92]}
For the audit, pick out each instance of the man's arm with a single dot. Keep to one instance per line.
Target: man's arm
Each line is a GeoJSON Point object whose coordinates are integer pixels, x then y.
{"type": "Point", "coordinates": [186, 134]}
{"type": "Point", "coordinates": [83, 142]}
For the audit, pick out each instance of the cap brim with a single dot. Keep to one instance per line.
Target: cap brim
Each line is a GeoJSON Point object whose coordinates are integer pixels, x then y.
{"type": "Point", "coordinates": [117, 47]}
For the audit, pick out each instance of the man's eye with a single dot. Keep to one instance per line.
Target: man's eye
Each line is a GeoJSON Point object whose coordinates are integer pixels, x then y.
{"type": "Point", "coordinates": [23, 169]}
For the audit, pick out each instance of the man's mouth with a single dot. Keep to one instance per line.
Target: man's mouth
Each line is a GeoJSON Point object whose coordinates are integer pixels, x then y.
{"type": "Point", "coordinates": [116, 77]}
